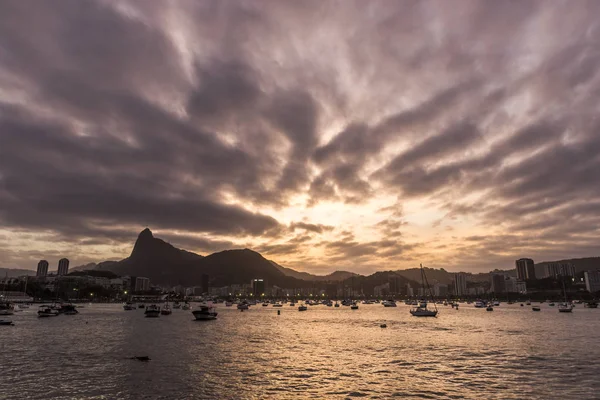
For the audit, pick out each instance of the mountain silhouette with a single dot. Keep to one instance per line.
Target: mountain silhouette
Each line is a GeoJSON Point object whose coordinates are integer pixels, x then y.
{"type": "Point", "coordinates": [164, 264]}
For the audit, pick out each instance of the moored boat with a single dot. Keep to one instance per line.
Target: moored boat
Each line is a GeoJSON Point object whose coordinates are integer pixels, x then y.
{"type": "Point", "coordinates": [204, 313]}
{"type": "Point", "coordinates": [166, 310]}
{"type": "Point", "coordinates": [536, 308]}
{"type": "Point", "coordinates": [421, 310]}
{"type": "Point", "coordinates": [128, 306]}
{"type": "Point", "coordinates": [302, 307]}
{"type": "Point", "coordinates": [47, 311]}
{"type": "Point", "coordinates": [6, 308]}
{"type": "Point", "coordinates": [389, 303]}
{"type": "Point", "coordinates": [354, 306]}
{"type": "Point", "coordinates": [152, 311]}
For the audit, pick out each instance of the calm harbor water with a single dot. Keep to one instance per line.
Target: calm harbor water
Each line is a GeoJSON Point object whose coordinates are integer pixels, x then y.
{"type": "Point", "coordinates": [324, 353]}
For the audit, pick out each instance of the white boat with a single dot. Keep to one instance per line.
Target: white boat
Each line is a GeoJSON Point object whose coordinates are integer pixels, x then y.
{"type": "Point", "coordinates": [152, 311]}
{"type": "Point", "coordinates": [479, 304]}
{"type": "Point", "coordinates": [421, 310]}
{"type": "Point", "coordinates": [389, 303]}
{"type": "Point", "coordinates": [265, 304]}
{"type": "Point", "coordinates": [566, 306]}
{"type": "Point", "coordinates": [204, 313]}
{"type": "Point", "coordinates": [47, 311]}
{"type": "Point", "coordinates": [302, 307]}
{"type": "Point", "coordinates": [496, 303]}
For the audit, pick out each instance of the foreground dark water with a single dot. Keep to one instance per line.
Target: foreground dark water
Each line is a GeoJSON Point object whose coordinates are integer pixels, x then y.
{"type": "Point", "coordinates": [510, 353]}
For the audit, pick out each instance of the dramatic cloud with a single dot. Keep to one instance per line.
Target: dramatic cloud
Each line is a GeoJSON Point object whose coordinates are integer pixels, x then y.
{"type": "Point", "coordinates": [325, 134]}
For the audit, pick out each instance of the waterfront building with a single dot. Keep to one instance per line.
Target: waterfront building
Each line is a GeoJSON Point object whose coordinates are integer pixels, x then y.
{"type": "Point", "coordinates": [498, 283]}
{"type": "Point", "coordinates": [63, 267]}
{"type": "Point", "coordinates": [554, 270]}
{"type": "Point", "coordinates": [460, 283]}
{"type": "Point", "coordinates": [141, 284]}
{"type": "Point", "coordinates": [42, 268]}
{"type": "Point", "coordinates": [525, 269]}
{"type": "Point", "coordinates": [440, 290]}
{"type": "Point", "coordinates": [258, 286]}
{"type": "Point", "coordinates": [592, 281]}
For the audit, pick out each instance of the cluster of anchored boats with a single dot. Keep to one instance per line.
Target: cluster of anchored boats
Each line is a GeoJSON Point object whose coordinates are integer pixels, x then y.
{"type": "Point", "coordinates": [49, 310]}
{"type": "Point", "coordinates": [202, 312]}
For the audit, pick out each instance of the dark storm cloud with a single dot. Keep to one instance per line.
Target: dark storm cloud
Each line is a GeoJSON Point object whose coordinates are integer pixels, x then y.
{"type": "Point", "coordinates": [189, 116]}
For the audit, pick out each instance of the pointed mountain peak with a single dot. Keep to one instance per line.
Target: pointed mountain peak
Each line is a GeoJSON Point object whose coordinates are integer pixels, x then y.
{"type": "Point", "coordinates": [145, 234]}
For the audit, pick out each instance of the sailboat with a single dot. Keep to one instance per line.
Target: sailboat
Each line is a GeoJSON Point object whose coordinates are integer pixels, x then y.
{"type": "Point", "coordinates": [566, 306]}
{"type": "Point", "coordinates": [421, 310]}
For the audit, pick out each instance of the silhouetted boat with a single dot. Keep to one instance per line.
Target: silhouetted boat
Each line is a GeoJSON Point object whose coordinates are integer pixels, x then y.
{"type": "Point", "coordinates": [389, 303]}
{"type": "Point", "coordinates": [5, 322]}
{"type": "Point", "coordinates": [536, 308]}
{"type": "Point", "coordinates": [566, 306]}
{"type": "Point", "coordinates": [186, 306]}
{"type": "Point", "coordinates": [421, 310]}
{"type": "Point", "coordinates": [591, 304]}
{"type": "Point", "coordinates": [152, 311]}
{"type": "Point", "coordinates": [6, 308]}
{"type": "Point", "coordinates": [128, 306]}
{"type": "Point", "coordinates": [302, 308]}
{"type": "Point", "coordinates": [354, 306]}
{"type": "Point", "coordinates": [166, 310]}
{"type": "Point", "coordinates": [47, 311]}
{"type": "Point", "coordinates": [204, 313]}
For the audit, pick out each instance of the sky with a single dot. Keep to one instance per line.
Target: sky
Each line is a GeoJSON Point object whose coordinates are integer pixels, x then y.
{"type": "Point", "coordinates": [326, 135]}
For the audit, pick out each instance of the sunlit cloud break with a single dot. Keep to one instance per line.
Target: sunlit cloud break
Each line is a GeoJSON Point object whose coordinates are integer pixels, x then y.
{"type": "Point", "coordinates": [326, 135]}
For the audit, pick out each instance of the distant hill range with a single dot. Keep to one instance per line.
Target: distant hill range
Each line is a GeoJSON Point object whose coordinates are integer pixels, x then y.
{"type": "Point", "coordinates": [13, 273]}
{"type": "Point", "coordinates": [165, 264]}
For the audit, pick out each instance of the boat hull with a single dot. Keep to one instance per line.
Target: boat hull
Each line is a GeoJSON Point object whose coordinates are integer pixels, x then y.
{"type": "Point", "coordinates": [205, 317]}
{"type": "Point", "coordinates": [423, 313]}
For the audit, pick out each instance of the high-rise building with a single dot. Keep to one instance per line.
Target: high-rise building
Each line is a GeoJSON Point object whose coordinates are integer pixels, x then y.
{"type": "Point", "coordinates": [63, 266]}
{"type": "Point", "coordinates": [498, 285]}
{"type": "Point", "coordinates": [460, 283]}
{"type": "Point", "coordinates": [592, 281]}
{"type": "Point", "coordinates": [42, 268]}
{"type": "Point", "coordinates": [525, 269]}
{"type": "Point", "coordinates": [554, 270]}
{"type": "Point", "coordinates": [258, 286]}
{"type": "Point", "coordinates": [141, 284]}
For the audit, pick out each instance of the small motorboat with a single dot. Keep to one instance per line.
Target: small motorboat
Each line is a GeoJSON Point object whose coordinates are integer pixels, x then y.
{"type": "Point", "coordinates": [302, 307]}
{"type": "Point", "coordinates": [389, 303]}
{"type": "Point", "coordinates": [47, 311]}
{"type": "Point", "coordinates": [536, 308]}
{"type": "Point", "coordinates": [6, 308]}
{"type": "Point", "coordinates": [228, 304]}
{"type": "Point", "coordinates": [166, 310]}
{"type": "Point", "coordinates": [177, 305]}
{"type": "Point", "coordinates": [141, 305]}
{"type": "Point", "coordinates": [528, 303]}
{"type": "Point", "coordinates": [551, 304]}
{"type": "Point", "coordinates": [354, 306]}
{"type": "Point", "coordinates": [292, 304]}
{"type": "Point", "coordinates": [565, 307]}
{"type": "Point", "coordinates": [277, 305]}
{"type": "Point", "coordinates": [152, 311]}
{"type": "Point", "coordinates": [128, 306]}
{"type": "Point", "coordinates": [265, 304]}
{"type": "Point", "coordinates": [489, 308]}
{"type": "Point", "coordinates": [336, 304]}
{"type": "Point", "coordinates": [243, 306]}
{"type": "Point", "coordinates": [68, 309]}
{"type": "Point", "coordinates": [6, 322]}
{"type": "Point", "coordinates": [591, 304]}
{"type": "Point", "coordinates": [186, 306]}
{"type": "Point", "coordinates": [205, 313]}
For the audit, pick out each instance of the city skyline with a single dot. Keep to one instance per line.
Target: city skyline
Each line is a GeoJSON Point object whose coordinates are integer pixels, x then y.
{"type": "Point", "coordinates": [325, 136]}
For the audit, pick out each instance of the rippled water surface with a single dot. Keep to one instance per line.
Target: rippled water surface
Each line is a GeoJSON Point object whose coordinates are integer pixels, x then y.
{"type": "Point", "coordinates": [324, 353]}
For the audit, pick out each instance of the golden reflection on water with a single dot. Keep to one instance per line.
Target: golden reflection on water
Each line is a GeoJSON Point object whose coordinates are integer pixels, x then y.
{"type": "Point", "coordinates": [325, 352]}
